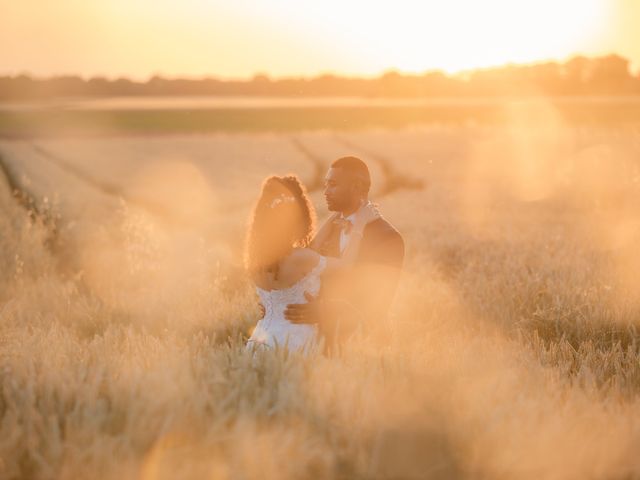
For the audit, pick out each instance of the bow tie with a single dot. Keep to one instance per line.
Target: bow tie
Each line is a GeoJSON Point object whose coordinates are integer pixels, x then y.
{"type": "Point", "coordinates": [343, 224]}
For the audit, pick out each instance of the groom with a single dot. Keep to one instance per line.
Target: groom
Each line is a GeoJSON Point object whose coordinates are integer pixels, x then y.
{"type": "Point", "coordinates": [360, 295]}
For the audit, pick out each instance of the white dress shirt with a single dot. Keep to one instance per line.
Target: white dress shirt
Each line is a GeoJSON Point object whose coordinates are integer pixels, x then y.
{"type": "Point", "coordinates": [344, 236]}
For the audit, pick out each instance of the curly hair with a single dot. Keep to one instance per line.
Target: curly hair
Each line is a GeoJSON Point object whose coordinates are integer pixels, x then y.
{"type": "Point", "coordinates": [283, 219]}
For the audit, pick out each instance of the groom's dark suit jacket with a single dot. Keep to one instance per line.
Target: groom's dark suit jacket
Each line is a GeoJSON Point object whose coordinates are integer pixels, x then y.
{"type": "Point", "coordinates": [369, 286]}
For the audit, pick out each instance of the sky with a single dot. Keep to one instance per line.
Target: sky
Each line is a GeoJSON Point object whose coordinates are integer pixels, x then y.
{"type": "Point", "coordinates": [241, 38]}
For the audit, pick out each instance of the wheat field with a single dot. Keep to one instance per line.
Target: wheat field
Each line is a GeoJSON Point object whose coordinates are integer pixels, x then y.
{"type": "Point", "coordinates": [511, 350]}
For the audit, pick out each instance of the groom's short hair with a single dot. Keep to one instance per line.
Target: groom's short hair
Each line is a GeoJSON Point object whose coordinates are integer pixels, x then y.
{"type": "Point", "coordinates": [356, 167]}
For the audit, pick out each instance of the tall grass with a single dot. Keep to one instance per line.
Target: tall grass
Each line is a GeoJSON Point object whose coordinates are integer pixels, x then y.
{"type": "Point", "coordinates": [511, 351]}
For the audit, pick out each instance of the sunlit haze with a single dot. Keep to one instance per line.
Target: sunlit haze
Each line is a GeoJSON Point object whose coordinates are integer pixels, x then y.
{"type": "Point", "coordinates": [319, 239]}
{"type": "Point", "coordinates": [141, 38]}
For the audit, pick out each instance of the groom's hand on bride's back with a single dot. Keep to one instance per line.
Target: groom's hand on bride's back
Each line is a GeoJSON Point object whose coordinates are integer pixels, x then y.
{"type": "Point", "coordinates": [304, 312]}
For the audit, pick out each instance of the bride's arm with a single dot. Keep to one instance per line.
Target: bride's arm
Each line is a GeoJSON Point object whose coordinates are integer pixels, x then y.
{"type": "Point", "coordinates": [323, 233]}
{"type": "Point", "coordinates": [311, 311]}
{"type": "Point", "coordinates": [368, 214]}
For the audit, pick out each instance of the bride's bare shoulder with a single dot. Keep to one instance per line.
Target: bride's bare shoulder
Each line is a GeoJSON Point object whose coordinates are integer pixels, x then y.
{"type": "Point", "coordinates": [300, 262]}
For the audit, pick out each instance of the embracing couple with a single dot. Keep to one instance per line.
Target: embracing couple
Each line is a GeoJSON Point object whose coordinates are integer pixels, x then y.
{"type": "Point", "coordinates": [316, 290]}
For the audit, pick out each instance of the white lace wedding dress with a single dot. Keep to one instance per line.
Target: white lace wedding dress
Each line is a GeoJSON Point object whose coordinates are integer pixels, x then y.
{"type": "Point", "coordinates": [274, 329]}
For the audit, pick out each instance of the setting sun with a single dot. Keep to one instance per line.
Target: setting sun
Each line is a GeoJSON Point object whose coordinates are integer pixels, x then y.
{"type": "Point", "coordinates": [455, 35]}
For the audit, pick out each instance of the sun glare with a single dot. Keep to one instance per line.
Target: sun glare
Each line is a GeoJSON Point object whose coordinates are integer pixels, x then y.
{"type": "Point", "coordinates": [455, 35]}
{"type": "Point", "coordinates": [289, 37]}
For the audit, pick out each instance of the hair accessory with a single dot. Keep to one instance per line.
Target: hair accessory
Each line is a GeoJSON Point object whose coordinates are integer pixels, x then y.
{"type": "Point", "coordinates": [282, 198]}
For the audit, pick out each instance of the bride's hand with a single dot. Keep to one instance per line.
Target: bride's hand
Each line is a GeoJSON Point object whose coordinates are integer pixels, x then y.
{"type": "Point", "coordinates": [367, 214]}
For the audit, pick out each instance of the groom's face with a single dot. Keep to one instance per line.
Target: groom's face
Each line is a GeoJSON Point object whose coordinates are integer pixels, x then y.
{"type": "Point", "coordinates": [340, 192]}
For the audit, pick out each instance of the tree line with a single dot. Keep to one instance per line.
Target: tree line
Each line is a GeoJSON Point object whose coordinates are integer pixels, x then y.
{"type": "Point", "coordinates": [606, 75]}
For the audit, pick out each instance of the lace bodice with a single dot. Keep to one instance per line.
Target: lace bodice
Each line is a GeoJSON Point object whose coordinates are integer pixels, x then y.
{"type": "Point", "coordinates": [276, 301]}
{"type": "Point", "coordinates": [274, 328]}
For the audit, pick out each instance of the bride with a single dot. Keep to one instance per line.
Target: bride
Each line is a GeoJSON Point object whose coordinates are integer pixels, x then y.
{"type": "Point", "coordinates": [281, 264]}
